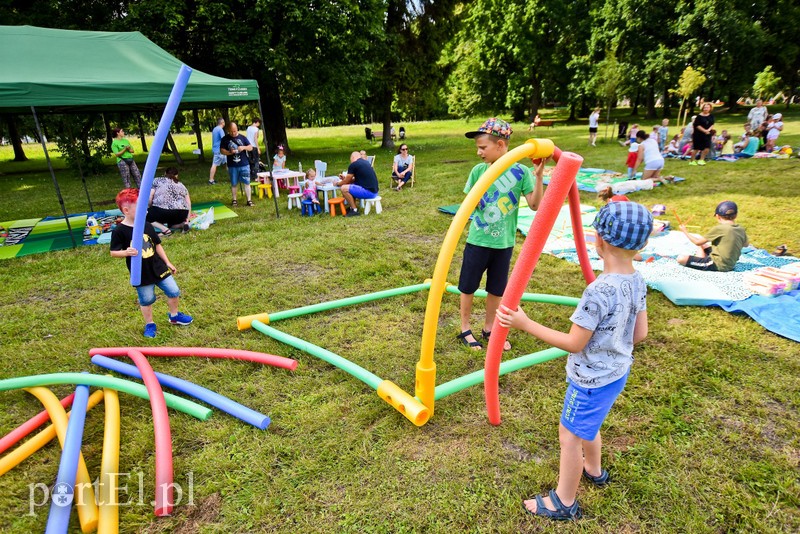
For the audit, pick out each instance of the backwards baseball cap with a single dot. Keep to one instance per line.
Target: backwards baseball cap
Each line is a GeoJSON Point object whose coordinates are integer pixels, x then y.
{"type": "Point", "coordinates": [727, 209]}
{"type": "Point", "coordinates": [493, 126]}
{"type": "Point", "coordinates": [624, 225]}
{"type": "Point", "coordinates": [658, 209]}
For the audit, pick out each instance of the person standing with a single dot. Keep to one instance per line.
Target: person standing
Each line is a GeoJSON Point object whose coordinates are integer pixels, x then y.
{"type": "Point", "coordinates": [122, 148]}
{"type": "Point", "coordinates": [216, 136]}
{"type": "Point", "coordinates": [236, 146]}
{"type": "Point", "coordinates": [701, 134]}
{"type": "Point", "coordinates": [593, 121]}
{"type": "Point", "coordinates": [253, 133]}
{"type": "Point", "coordinates": [757, 115]}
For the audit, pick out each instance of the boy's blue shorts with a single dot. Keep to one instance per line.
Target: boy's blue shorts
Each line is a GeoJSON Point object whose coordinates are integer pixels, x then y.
{"type": "Point", "coordinates": [147, 294]}
{"type": "Point", "coordinates": [585, 409]}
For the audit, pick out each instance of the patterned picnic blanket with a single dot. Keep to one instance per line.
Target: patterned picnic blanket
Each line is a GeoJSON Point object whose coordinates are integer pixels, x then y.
{"type": "Point", "coordinates": [32, 236]}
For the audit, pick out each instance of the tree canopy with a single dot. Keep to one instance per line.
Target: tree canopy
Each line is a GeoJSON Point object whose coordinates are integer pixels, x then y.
{"type": "Point", "coordinates": [324, 62]}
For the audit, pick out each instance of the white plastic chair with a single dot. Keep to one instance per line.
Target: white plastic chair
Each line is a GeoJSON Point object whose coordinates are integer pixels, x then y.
{"type": "Point", "coordinates": [321, 167]}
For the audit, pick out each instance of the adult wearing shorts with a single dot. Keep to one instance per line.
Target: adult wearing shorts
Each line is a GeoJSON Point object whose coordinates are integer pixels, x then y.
{"type": "Point", "coordinates": [360, 181]}
{"type": "Point", "coordinates": [649, 154]}
{"type": "Point", "coordinates": [593, 121]}
{"type": "Point", "coordinates": [236, 146]}
{"type": "Point", "coordinates": [701, 134]}
{"type": "Point", "coordinates": [219, 159]}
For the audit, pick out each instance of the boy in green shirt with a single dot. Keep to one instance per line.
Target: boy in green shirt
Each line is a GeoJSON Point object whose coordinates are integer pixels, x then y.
{"type": "Point", "coordinates": [722, 245]}
{"type": "Point", "coordinates": [492, 233]}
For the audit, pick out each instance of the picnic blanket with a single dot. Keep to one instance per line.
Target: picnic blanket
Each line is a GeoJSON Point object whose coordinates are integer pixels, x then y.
{"type": "Point", "coordinates": [590, 179]}
{"type": "Point", "coordinates": [32, 236]}
{"type": "Point", "coordinates": [683, 286]}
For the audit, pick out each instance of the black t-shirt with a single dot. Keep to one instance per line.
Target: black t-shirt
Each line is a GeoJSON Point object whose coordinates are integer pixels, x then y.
{"type": "Point", "coordinates": [153, 267]}
{"type": "Point", "coordinates": [364, 175]}
{"type": "Point", "coordinates": [703, 121]}
{"type": "Point", "coordinates": [240, 159]}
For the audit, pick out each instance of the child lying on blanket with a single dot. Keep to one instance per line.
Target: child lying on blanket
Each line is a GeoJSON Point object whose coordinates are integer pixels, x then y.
{"type": "Point", "coordinates": [721, 247]}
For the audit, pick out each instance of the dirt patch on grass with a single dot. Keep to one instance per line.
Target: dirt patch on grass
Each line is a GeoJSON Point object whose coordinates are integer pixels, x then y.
{"type": "Point", "coordinates": [519, 453]}
{"type": "Point", "coordinates": [192, 518]}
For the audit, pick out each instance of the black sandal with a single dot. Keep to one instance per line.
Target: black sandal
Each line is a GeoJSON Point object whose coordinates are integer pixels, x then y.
{"type": "Point", "coordinates": [780, 250]}
{"type": "Point", "coordinates": [561, 512]}
{"type": "Point", "coordinates": [486, 335]}
{"type": "Point", "coordinates": [471, 344]}
{"type": "Point", "coordinates": [166, 233]}
{"type": "Point", "coordinates": [234, 203]}
{"type": "Point", "coordinates": [600, 481]}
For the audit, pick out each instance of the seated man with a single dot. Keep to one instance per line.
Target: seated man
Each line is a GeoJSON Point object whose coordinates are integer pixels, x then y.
{"type": "Point", "coordinates": [360, 181]}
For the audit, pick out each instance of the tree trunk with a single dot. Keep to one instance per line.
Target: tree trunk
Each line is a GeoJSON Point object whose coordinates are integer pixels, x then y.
{"type": "Point", "coordinates": [650, 98]}
{"type": "Point", "coordinates": [666, 100]}
{"type": "Point", "coordinates": [141, 131]}
{"type": "Point", "coordinates": [107, 126]}
{"type": "Point", "coordinates": [572, 107]}
{"type": "Point", "coordinates": [16, 142]}
{"type": "Point", "coordinates": [274, 120]}
{"type": "Point", "coordinates": [386, 141]}
{"type": "Point", "coordinates": [635, 110]}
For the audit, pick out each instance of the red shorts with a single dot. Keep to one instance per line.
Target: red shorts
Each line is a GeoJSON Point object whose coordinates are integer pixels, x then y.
{"type": "Point", "coordinates": [631, 159]}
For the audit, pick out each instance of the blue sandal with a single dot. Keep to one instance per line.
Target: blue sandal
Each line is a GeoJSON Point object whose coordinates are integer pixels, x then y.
{"type": "Point", "coordinates": [600, 481]}
{"type": "Point", "coordinates": [561, 512]}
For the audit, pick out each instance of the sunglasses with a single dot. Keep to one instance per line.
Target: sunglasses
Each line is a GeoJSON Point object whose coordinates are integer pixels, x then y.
{"type": "Point", "coordinates": [404, 149]}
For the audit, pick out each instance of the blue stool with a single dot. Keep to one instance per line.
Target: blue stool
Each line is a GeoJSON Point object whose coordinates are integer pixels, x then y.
{"type": "Point", "coordinates": [308, 208]}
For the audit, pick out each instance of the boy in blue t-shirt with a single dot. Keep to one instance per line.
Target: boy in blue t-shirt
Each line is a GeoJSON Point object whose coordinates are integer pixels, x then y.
{"type": "Point", "coordinates": [493, 231]}
{"type": "Point", "coordinates": [610, 318]}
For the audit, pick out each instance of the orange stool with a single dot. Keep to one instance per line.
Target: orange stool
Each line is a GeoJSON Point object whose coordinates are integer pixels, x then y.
{"type": "Point", "coordinates": [333, 202]}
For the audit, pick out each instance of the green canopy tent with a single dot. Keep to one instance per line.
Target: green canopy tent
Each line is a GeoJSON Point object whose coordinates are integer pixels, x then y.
{"type": "Point", "coordinates": [64, 71]}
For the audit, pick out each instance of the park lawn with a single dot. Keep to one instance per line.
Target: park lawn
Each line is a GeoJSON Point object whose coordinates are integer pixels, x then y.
{"type": "Point", "coordinates": [704, 438]}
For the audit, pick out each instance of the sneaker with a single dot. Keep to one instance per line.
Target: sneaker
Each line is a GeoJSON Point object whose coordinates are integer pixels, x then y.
{"type": "Point", "coordinates": [180, 319]}
{"type": "Point", "coordinates": [353, 213]}
{"type": "Point", "coordinates": [701, 162]}
{"type": "Point", "coordinates": [693, 162]}
{"type": "Point", "coordinates": [150, 330]}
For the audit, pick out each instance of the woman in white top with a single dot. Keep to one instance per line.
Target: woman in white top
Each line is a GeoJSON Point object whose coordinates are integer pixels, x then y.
{"type": "Point", "coordinates": [593, 118]}
{"type": "Point", "coordinates": [402, 167]}
{"type": "Point", "coordinates": [774, 128]}
{"type": "Point", "coordinates": [650, 155]}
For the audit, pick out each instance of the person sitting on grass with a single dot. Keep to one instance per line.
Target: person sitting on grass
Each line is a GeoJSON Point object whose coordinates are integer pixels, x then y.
{"type": "Point", "coordinates": [721, 247]}
{"type": "Point", "coordinates": [402, 167]}
{"type": "Point", "coordinates": [493, 230]}
{"type": "Point", "coordinates": [359, 181]}
{"type": "Point", "coordinates": [610, 319]}
{"type": "Point", "coordinates": [170, 204]}
{"type": "Point", "coordinates": [156, 267]}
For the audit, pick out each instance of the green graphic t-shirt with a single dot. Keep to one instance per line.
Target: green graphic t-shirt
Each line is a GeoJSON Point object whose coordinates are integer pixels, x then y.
{"type": "Point", "coordinates": [119, 144]}
{"type": "Point", "coordinates": [494, 222]}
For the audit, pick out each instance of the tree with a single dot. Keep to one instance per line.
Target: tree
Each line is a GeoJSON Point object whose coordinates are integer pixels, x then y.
{"type": "Point", "coordinates": [690, 81]}
{"type": "Point", "coordinates": [607, 79]}
{"type": "Point", "coordinates": [767, 83]}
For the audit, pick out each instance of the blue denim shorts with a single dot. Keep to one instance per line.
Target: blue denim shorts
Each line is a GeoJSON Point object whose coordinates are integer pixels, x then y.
{"type": "Point", "coordinates": [359, 192]}
{"type": "Point", "coordinates": [147, 294]}
{"type": "Point", "coordinates": [585, 409]}
{"type": "Point", "coordinates": [219, 159]}
{"type": "Point", "coordinates": [239, 174]}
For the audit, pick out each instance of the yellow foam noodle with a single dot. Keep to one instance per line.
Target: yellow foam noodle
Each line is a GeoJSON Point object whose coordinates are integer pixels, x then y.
{"type": "Point", "coordinates": [42, 438]}
{"type": "Point", "coordinates": [108, 521]}
{"type": "Point", "coordinates": [404, 403]}
{"type": "Point", "coordinates": [84, 494]}
{"type": "Point", "coordinates": [426, 368]}
{"type": "Point", "coordinates": [245, 322]}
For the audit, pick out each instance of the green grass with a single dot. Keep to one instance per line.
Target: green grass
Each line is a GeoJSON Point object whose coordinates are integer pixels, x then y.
{"type": "Point", "coordinates": [704, 439]}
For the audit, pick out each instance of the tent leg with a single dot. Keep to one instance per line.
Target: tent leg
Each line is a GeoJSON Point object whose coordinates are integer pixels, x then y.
{"type": "Point", "coordinates": [53, 175]}
{"type": "Point", "coordinates": [266, 147]}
